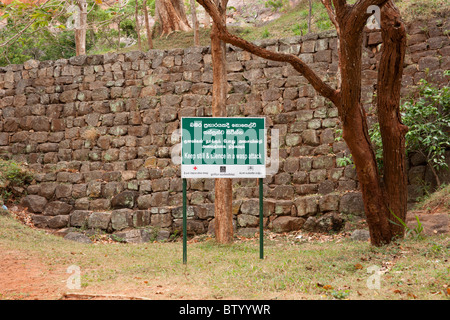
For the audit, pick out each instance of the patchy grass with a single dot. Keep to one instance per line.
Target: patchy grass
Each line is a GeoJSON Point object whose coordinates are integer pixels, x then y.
{"type": "Point", "coordinates": [414, 10]}
{"type": "Point", "coordinates": [291, 269]}
{"type": "Point", "coordinates": [437, 201]}
{"type": "Point", "coordinates": [294, 22]}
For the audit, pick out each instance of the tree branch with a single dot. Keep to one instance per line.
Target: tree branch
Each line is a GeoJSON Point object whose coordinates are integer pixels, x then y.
{"type": "Point", "coordinates": [359, 14]}
{"type": "Point", "coordinates": [331, 13]}
{"type": "Point", "coordinates": [223, 33]}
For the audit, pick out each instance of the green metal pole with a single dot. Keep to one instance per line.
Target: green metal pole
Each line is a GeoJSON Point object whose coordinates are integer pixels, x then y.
{"type": "Point", "coordinates": [184, 224]}
{"type": "Point", "coordinates": [261, 222]}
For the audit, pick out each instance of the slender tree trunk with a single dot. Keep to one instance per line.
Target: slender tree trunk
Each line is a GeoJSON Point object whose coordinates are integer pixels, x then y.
{"type": "Point", "coordinates": [309, 16]}
{"type": "Point", "coordinates": [147, 25]}
{"type": "Point", "coordinates": [195, 23]}
{"type": "Point", "coordinates": [172, 16]}
{"type": "Point", "coordinates": [80, 28]}
{"type": "Point", "coordinates": [223, 187]}
{"type": "Point", "coordinates": [206, 20]}
{"type": "Point", "coordinates": [138, 26]}
{"type": "Point", "coordinates": [118, 34]}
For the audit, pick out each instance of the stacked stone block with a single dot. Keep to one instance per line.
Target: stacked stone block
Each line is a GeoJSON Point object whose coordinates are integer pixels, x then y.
{"type": "Point", "coordinates": [97, 132]}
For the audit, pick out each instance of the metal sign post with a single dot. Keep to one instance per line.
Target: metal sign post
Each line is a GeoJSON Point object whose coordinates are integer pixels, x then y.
{"type": "Point", "coordinates": [261, 220]}
{"type": "Point", "coordinates": [184, 223]}
{"type": "Point", "coordinates": [223, 148]}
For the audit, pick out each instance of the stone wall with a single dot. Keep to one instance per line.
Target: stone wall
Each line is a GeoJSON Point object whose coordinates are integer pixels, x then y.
{"type": "Point", "coordinates": [97, 132]}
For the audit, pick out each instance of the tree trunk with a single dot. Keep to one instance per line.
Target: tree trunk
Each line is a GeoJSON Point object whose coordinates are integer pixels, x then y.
{"type": "Point", "coordinates": [195, 23]}
{"type": "Point", "coordinates": [392, 130]}
{"type": "Point", "coordinates": [206, 20]}
{"type": "Point", "coordinates": [223, 188]}
{"type": "Point", "coordinates": [80, 28]}
{"type": "Point", "coordinates": [309, 16]}
{"type": "Point", "coordinates": [172, 16]}
{"type": "Point", "coordinates": [147, 25]}
{"type": "Point", "coordinates": [138, 26]}
{"type": "Point", "coordinates": [380, 197]}
{"type": "Point", "coordinates": [355, 134]}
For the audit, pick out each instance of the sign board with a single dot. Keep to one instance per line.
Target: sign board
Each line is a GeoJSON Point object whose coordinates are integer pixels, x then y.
{"type": "Point", "coordinates": [223, 147]}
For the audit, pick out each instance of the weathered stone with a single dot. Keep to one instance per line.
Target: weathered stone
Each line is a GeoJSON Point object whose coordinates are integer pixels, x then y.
{"type": "Point", "coordinates": [205, 211]}
{"type": "Point", "coordinates": [329, 202]}
{"type": "Point", "coordinates": [247, 220]}
{"type": "Point", "coordinates": [330, 222]}
{"type": "Point", "coordinates": [141, 218]}
{"type": "Point", "coordinates": [99, 220]}
{"type": "Point", "coordinates": [121, 219]}
{"type": "Point", "coordinates": [78, 60]}
{"type": "Point", "coordinates": [177, 212]}
{"type": "Point", "coordinates": [317, 175]}
{"type": "Point", "coordinates": [293, 140]}
{"type": "Point", "coordinates": [77, 237]}
{"type": "Point", "coordinates": [34, 203]}
{"type": "Point", "coordinates": [251, 207]}
{"type": "Point", "coordinates": [310, 137]}
{"type": "Point", "coordinates": [247, 232]}
{"type": "Point", "coordinates": [306, 205]}
{"type": "Point", "coordinates": [352, 203]}
{"type": "Point", "coordinates": [162, 220]}
{"type": "Point", "coordinates": [287, 224]}
{"type": "Point", "coordinates": [282, 192]}
{"type": "Point", "coordinates": [79, 218]}
{"type": "Point", "coordinates": [31, 64]}
{"type": "Point", "coordinates": [125, 199]}
{"type": "Point", "coordinates": [99, 204]}
{"type": "Point", "coordinates": [132, 236]}
{"type": "Point", "coordinates": [194, 227]}
{"type": "Point", "coordinates": [360, 235]}
{"type": "Point", "coordinates": [56, 208]}
{"type": "Point", "coordinates": [63, 191]}
{"type": "Point", "coordinates": [58, 222]}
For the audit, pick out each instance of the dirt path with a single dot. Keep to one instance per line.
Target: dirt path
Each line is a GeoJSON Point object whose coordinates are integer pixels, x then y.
{"type": "Point", "coordinates": [25, 277]}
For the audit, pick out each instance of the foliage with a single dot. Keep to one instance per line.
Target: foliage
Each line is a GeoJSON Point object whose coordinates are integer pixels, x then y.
{"type": "Point", "coordinates": [43, 32]}
{"type": "Point", "coordinates": [266, 33]}
{"type": "Point", "coordinates": [416, 232]}
{"type": "Point", "coordinates": [12, 175]}
{"type": "Point", "coordinates": [275, 4]}
{"type": "Point", "coordinates": [428, 119]}
{"type": "Point", "coordinates": [344, 161]}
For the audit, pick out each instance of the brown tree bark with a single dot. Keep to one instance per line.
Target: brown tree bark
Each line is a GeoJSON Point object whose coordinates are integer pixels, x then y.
{"type": "Point", "coordinates": [80, 29]}
{"type": "Point", "coordinates": [380, 197]}
{"type": "Point", "coordinates": [223, 215]}
{"type": "Point", "coordinates": [393, 131]}
{"type": "Point", "coordinates": [172, 16]}
{"type": "Point", "coordinates": [147, 25]}
{"type": "Point", "coordinates": [138, 26]}
{"type": "Point", "coordinates": [195, 23]}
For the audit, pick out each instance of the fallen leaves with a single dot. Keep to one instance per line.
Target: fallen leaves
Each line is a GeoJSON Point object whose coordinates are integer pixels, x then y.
{"type": "Point", "coordinates": [358, 266]}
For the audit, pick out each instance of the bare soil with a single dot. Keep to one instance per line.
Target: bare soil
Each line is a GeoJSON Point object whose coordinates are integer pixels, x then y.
{"type": "Point", "coordinates": [25, 277]}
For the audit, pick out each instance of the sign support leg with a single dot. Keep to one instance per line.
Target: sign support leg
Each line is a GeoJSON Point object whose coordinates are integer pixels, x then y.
{"type": "Point", "coordinates": [184, 223]}
{"type": "Point", "coordinates": [261, 218]}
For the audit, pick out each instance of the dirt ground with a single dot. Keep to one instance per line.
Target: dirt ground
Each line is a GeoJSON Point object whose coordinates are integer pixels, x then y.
{"type": "Point", "coordinates": [26, 277]}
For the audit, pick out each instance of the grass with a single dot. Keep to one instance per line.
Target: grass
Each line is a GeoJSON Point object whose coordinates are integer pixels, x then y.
{"type": "Point", "coordinates": [438, 200]}
{"type": "Point", "coordinates": [291, 269]}
{"type": "Point", "coordinates": [294, 22]}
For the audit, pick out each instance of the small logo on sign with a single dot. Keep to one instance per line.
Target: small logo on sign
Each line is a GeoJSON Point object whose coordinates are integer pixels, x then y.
{"type": "Point", "coordinates": [195, 168]}
{"type": "Point", "coordinates": [223, 169]}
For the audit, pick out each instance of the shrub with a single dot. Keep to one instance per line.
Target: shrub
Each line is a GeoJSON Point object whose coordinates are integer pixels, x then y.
{"type": "Point", "coordinates": [428, 119]}
{"type": "Point", "coordinates": [13, 176]}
